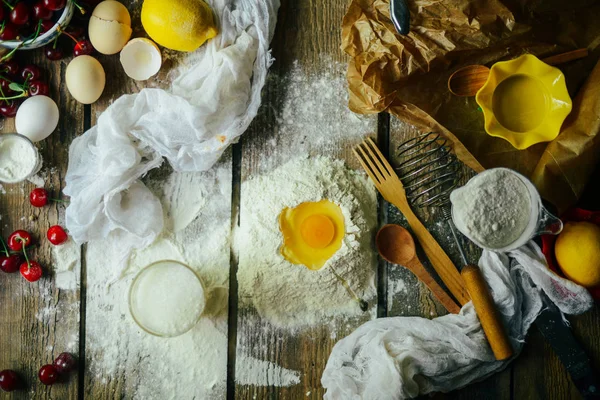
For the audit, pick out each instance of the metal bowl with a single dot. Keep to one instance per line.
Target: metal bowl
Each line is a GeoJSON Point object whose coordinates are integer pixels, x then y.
{"type": "Point", "coordinates": [47, 37]}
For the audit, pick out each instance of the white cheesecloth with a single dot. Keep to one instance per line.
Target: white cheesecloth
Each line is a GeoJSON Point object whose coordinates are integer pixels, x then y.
{"type": "Point", "coordinates": [208, 107]}
{"type": "Point", "coordinates": [403, 357]}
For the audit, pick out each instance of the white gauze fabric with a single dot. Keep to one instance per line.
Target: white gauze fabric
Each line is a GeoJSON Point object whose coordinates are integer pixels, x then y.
{"type": "Point", "coordinates": [403, 357]}
{"type": "Point", "coordinates": [208, 107]}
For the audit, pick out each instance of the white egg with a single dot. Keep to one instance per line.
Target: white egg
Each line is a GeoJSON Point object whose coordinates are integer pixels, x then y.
{"type": "Point", "coordinates": [141, 59]}
{"type": "Point", "coordinates": [37, 118]}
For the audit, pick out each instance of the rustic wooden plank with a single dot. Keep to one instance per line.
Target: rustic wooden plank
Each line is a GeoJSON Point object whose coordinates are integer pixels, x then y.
{"type": "Point", "coordinates": [38, 320]}
{"type": "Point", "coordinates": [408, 297]}
{"type": "Point", "coordinates": [307, 32]}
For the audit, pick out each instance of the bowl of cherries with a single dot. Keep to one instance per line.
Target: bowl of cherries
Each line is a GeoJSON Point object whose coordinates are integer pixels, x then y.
{"type": "Point", "coordinates": [31, 24]}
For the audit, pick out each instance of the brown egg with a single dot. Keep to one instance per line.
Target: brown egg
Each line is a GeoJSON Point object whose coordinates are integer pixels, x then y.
{"type": "Point", "coordinates": [85, 79]}
{"type": "Point", "coordinates": [110, 27]}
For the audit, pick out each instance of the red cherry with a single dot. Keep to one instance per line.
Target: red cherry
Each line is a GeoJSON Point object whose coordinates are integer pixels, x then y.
{"type": "Point", "coordinates": [47, 25]}
{"type": "Point", "coordinates": [65, 362]}
{"type": "Point", "coordinates": [9, 380]}
{"type": "Point", "coordinates": [55, 5]}
{"type": "Point", "coordinates": [38, 197]}
{"type": "Point", "coordinates": [83, 48]}
{"type": "Point", "coordinates": [57, 235]}
{"type": "Point", "coordinates": [54, 54]}
{"type": "Point", "coordinates": [39, 88]}
{"type": "Point", "coordinates": [11, 263]}
{"type": "Point", "coordinates": [41, 12]}
{"type": "Point", "coordinates": [20, 14]}
{"type": "Point", "coordinates": [2, 13]}
{"type": "Point", "coordinates": [19, 239]}
{"type": "Point", "coordinates": [9, 31]}
{"type": "Point", "coordinates": [9, 109]}
{"type": "Point", "coordinates": [5, 86]}
{"type": "Point", "coordinates": [31, 73]}
{"type": "Point", "coordinates": [48, 375]}
{"type": "Point", "coordinates": [32, 271]}
{"type": "Point", "coordinates": [11, 67]}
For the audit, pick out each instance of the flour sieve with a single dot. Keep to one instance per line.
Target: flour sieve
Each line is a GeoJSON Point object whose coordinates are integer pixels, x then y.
{"type": "Point", "coordinates": [429, 172]}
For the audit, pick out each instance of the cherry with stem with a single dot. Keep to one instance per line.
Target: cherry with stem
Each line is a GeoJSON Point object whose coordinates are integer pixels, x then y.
{"type": "Point", "coordinates": [31, 270]}
{"type": "Point", "coordinates": [82, 47]}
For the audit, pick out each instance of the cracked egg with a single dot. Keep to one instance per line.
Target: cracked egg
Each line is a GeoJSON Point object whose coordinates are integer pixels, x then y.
{"type": "Point", "coordinates": [312, 233]}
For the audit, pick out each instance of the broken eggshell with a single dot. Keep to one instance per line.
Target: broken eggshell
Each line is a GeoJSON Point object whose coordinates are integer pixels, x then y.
{"type": "Point", "coordinates": [141, 59]}
{"type": "Point", "coordinates": [110, 27]}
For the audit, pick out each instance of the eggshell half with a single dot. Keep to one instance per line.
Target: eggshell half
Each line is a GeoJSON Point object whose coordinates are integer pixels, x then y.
{"type": "Point", "coordinates": [141, 59]}
{"type": "Point", "coordinates": [85, 79]}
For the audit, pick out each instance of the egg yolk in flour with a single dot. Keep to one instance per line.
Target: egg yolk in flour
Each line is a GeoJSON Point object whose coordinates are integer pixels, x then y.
{"type": "Point", "coordinates": [312, 233]}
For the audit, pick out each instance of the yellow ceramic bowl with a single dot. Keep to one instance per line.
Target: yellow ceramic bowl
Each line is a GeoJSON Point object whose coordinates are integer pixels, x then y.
{"type": "Point", "coordinates": [524, 101]}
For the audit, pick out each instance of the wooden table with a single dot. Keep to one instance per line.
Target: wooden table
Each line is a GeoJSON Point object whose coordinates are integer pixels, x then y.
{"type": "Point", "coordinates": [307, 31]}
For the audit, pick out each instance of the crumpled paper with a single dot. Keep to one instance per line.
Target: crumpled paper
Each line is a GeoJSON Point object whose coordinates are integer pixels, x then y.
{"type": "Point", "coordinates": [407, 77]}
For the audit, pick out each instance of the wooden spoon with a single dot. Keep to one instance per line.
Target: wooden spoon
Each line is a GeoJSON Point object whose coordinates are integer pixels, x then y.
{"type": "Point", "coordinates": [396, 245]}
{"type": "Point", "coordinates": [467, 81]}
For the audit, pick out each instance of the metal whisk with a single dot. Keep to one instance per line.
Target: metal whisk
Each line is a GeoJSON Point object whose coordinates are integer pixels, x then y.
{"type": "Point", "coordinates": [429, 172]}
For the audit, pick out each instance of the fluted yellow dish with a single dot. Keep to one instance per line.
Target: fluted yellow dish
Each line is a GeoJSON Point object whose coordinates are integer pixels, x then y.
{"type": "Point", "coordinates": [524, 101]}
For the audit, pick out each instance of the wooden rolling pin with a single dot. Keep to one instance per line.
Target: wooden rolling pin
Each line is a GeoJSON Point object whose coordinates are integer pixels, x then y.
{"type": "Point", "coordinates": [486, 311]}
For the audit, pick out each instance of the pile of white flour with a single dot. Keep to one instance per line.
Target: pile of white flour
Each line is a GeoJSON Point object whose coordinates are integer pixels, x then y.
{"type": "Point", "coordinates": [493, 208]}
{"type": "Point", "coordinates": [288, 295]}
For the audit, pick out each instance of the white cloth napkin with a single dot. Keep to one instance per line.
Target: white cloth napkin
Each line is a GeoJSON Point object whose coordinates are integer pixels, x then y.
{"type": "Point", "coordinates": [403, 357]}
{"type": "Point", "coordinates": [208, 107]}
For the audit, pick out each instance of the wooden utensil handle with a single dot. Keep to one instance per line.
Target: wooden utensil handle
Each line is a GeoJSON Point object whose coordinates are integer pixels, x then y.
{"type": "Point", "coordinates": [566, 57]}
{"type": "Point", "coordinates": [424, 276]}
{"type": "Point", "coordinates": [486, 311]}
{"type": "Point", "coordinates": [440, 261]}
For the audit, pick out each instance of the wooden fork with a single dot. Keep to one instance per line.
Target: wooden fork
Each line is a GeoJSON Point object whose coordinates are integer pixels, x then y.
{"type": "Point", "coordinates": [391, 188]}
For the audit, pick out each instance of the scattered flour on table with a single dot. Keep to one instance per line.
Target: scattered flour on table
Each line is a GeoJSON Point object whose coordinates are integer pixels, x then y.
{"type": "Point", "coordinates": [67, 264]}
{"type": "Point", "coordinates": [292, 296]}
{"type": "Point", "coordinates": [395, 287]}
{"type": "Point", "coordinates": [493, 208]}
{"type": "Point", "coordinates": [257, 372]}
{"type": "Point", "coordinates": [194, 364]}
{"type": "Point", "coordinates": [311, 113]}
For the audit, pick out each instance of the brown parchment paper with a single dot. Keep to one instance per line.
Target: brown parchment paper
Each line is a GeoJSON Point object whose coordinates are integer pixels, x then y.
{"type": "Point", "coordinates": [407, 76]}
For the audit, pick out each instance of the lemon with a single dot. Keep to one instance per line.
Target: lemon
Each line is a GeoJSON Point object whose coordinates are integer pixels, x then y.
{"type": "Point", "coordinates": [182, 25]}
{"type": "Point", "coordinates": [577, 251]}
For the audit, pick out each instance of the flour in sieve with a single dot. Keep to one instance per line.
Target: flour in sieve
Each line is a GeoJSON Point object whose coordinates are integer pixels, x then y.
{"type": "Point", "coordinates": [292, 296]}
{"type": "Point", "coordinates": [494, 208]}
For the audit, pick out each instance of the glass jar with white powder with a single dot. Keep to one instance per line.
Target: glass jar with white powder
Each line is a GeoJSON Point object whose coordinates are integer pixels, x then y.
{"type": "Point", "coordinates": [500, 210]}
{"type": "Point", "coordinates": [167, 298]}
{"type": "Point", "coordinates": [19, 158]}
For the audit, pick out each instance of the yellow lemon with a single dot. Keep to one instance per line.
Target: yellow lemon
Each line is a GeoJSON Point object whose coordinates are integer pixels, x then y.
{"type": "Point", "coordinates": [577, 251]}
{"type": "Point", "coordinates": [182, 25]}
